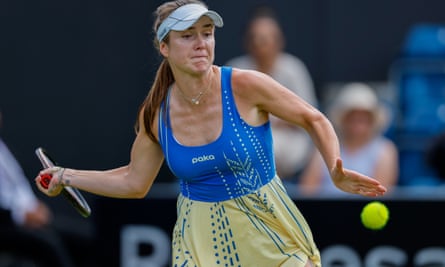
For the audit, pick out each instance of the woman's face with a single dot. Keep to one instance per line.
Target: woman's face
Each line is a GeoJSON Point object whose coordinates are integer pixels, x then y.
{"type": "Point", "coordinates": [358, 124]}
{"type": "Point", "coordinates": [191, 50]}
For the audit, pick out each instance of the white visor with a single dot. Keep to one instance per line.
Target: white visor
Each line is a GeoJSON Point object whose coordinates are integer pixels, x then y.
{"type": "Point", "coordinates": [184, 17]}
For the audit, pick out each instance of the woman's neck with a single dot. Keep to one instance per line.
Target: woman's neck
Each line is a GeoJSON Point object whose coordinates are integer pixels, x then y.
{"type": "Point", "coordinates": [193, 88]}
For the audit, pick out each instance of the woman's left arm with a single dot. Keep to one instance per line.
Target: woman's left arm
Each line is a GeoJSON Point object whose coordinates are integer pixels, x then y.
{"type": "Point", "coordinates": [261, 93]}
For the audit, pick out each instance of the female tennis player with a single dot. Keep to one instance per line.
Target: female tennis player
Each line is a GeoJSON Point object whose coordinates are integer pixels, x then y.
{"type": "Point", "coordinates": [211, 125]}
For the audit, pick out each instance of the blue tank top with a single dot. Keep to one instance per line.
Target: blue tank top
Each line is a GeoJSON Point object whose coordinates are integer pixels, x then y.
{"type": "Point", "coordinates": [237, 163]}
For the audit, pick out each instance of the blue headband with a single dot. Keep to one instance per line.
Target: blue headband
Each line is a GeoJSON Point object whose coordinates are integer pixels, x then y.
{"type": "Point", "coordinates": [184, 17]}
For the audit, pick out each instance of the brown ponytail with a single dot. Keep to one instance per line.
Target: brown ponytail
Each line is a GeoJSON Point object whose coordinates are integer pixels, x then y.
{"type": "Point", "coordinates": [164, 76]}
{"type": "Point", "coordinates": [157, 94]}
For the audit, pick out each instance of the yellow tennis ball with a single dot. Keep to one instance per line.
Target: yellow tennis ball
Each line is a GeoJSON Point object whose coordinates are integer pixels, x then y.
{"type": "Point", "coordinates": [375, 215]}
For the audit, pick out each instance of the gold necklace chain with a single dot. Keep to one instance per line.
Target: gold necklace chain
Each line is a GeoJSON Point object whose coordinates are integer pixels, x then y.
{"type": "Point", "coordinates": [195, 100]}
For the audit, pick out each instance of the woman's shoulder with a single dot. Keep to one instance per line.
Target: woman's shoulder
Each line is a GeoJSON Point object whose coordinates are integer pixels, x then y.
{"type": "Point", "coordinates": [247, 77]}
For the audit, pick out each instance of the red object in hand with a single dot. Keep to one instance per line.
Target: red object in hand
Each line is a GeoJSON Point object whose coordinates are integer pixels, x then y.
{"type": "Point", "coordinates": [45, 179]}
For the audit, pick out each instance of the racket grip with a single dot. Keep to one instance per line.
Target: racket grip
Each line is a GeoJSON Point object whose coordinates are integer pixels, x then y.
{"type": "Point", "coordinates": [45, 179]}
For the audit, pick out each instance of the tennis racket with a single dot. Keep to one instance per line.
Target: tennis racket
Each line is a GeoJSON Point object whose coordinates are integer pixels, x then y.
{"type": "Point", "coordinates": [70, 193]}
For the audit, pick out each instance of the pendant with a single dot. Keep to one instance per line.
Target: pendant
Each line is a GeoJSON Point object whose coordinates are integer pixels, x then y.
{"type": "Point", "coordinates": [195, 100]}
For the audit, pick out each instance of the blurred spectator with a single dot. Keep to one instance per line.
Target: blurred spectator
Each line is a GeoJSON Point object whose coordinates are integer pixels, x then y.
{"type": "Point", "coordinates": [26, 234]}
{"type": "Point", "coordinates": [264, 42]}
{"type": "Point", "coordinates": [435, 155]}
{"type": "Point", "coordinates": [419, 78]}
{"type": "Point", "coordinates": [360, 120]}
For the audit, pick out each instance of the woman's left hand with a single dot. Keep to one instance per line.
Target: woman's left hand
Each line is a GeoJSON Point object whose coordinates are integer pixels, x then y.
{"type": "Point", "coordinates": [354, 182]}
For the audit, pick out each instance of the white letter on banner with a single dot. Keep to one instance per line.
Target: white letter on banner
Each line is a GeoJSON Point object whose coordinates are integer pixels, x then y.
{"type": "Point", "coordinates": [339, 254]}
{"type": "Point", "coordinates": [132, 236]}
{"type": "Point", "coordinates": [430, 256]}
{"type": "Point", "coordinates": [384, 256]}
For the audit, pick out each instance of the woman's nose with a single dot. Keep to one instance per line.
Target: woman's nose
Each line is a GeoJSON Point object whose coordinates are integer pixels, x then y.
{"type": "Point", "coordinates": [200, 41]}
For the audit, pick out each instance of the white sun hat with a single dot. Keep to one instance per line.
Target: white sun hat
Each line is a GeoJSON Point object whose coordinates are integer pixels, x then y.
{"type": "Point", "coordinates": [358, 96]}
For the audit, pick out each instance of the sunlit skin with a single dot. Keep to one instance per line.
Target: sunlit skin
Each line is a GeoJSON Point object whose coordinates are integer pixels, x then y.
{"type": "Point", "coordinates": [190, 54]}
{"type": "Point", "coordinates": [191, 51]}
{"type": "Point", "coordinates": [357, 128]}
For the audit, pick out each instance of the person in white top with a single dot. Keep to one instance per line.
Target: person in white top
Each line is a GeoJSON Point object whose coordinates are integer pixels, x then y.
{"type": "Point", "coordinates": [360, 120]}
{"type": "Point", "coordinates": [265, 43]}
{"type": "Point", "coordinates": [26, 227]}
{"type": "Point", "coordinates": [16, 194]}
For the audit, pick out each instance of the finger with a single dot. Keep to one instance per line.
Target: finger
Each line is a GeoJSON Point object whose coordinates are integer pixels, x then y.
{"type": "Point", "coordinates": [339, 164]}
{"type": "Point", "coordinates": [372, 191]}
{"type": "Point", "coordinates": [381, 189]}
{"type": "Point", "coordinates": [373, 184]}
{"type": "Point", "coordinates": [47, 175]}
{"type": "Point", "coordinates": [45, 180]}
{"type": "Point", "coordinates": [54, 169]}
{"type": "Point", "coordinates": [362, 179]}
{"type": "Point", "coordinates": [38, 181]}
{"type": "Point", "coordinates": [372, 187]}
{"type": "Point", "coordinates": [46, 171]}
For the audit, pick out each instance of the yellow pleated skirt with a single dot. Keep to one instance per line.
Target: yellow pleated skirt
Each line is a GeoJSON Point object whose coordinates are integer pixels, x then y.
{"type": "Point", "coordinates": [264, 228]}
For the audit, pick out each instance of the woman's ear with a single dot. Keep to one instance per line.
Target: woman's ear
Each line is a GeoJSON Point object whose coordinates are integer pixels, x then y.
{"type": "Point", "coordinates": [163, 49]}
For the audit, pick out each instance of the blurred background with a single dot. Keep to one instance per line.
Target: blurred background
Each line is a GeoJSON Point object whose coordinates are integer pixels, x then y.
{"type": "Point", "coordinates": [73, 74]}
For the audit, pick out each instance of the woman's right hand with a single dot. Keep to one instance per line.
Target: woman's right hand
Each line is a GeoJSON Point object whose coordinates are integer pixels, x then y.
{"type": "Point", "coordinates": [55, 185]}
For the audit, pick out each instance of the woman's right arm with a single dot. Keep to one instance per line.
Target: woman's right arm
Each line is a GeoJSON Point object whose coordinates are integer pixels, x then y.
{"type": "Point", "coordinates": [131, 181]}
